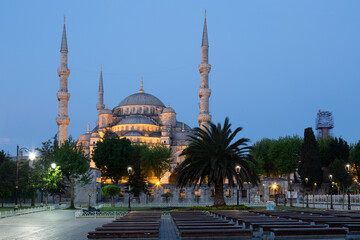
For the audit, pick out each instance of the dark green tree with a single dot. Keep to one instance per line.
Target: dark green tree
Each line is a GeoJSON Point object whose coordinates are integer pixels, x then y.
{"type": "Point", "coordinates": [310, 164]}
{"type": "Point", "coordinates": [211, 158]}
{"type": "Point", "coordinates": [260, 152]}
{"type": "Point", "coordinates": [112, 156]}
{"type": "Point", "coordinates": [355, 161]}
{"type": "Point", "coordinates": [156, 159]}
{"type": "Point", "coordinates": [324, 151]}
{"type": "Point", "coordinates": [7, 177]}
{"type": "Point", "coordinates": [339, 149]}
{"type": "Point", "coordinates": [74, 165]}
{"type": "Point", "coordinates": [285, 154]}
{"type": "Point", "coordinates": [110, 191]}
{"type": "Point", "coordinates": [340, 175]}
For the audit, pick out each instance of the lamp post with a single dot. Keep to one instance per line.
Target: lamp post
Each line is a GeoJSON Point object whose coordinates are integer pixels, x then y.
{"type": "Point", "coordinates": [32, 156]}
{"type": "Point", "coordinates": [315, 185]}
{"type": "Point", "coordinates": [347, 168]}
{"type": "Point", "coordinates": [307, 194]}
{"type": "Point", "coordinates": [237, 169]}
{"type": "Point", "coordinates": [129, 169]}
{"type": "Point", "coordinates": [290, 190]}
{"type": "Point", "coordinates": [331, 191]}
{"type": "Point", "coordinates": [274, 186]}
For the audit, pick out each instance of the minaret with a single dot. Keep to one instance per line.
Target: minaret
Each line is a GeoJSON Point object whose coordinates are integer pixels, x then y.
{"type": "Point", "coordinates": [100, 106]}
{"type": "Point", "coordinates": [204, 92]}
{"type": "Point", "coordinates": [63, 96]}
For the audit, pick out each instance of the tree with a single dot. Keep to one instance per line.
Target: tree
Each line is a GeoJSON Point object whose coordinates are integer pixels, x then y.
{"type": "Point", "coordinates": [112, 156]}
{"type": "Point", "coordinates": [310, 164]}
{"type": "Point", "coordinates": [167, 196]}
{"type": "Point", "coordinates": [340, 175]}
{"type": "Point", "coordinates": [324, 151]}
{"type": "Point", "coordinates": [73, 163]}
{"type": "Point", "coordinates": [112, 191]}
{"type": "Point", "coordinates": [355, 161]}
{"type": "Point", "coordinates": [7, 177]}
{"type": "Point", "coordinates": [156, 159]}
{"type": "Point", "coordinates": [260, 152]}
{"type": "Point", "coordinates": [51, 179]}
{"type": "Point", "coordinates": [339, 149]}
{"type": "Point", "coordinates": [285, 154]}
{"type": "Point", "coordinates": [211, 158]}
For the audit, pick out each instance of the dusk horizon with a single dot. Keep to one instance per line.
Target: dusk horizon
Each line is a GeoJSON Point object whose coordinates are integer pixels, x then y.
{"type": "Point", "coordinates": [273, 65]}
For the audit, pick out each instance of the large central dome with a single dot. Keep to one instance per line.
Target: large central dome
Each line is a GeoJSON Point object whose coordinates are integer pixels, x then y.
{"type": "Point", "coordinates": [141, 98]}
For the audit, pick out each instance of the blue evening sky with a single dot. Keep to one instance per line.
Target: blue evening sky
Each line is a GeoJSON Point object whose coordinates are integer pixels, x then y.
{"type": "Point", "coordinates": [274, 63]}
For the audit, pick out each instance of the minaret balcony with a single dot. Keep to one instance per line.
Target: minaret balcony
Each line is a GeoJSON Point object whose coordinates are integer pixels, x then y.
{"type": "Point", "coordinates": [63, 72]}
{"type": "Point", "coordinates": [63, 121]}
{"type": "Point", "coordinates": [204, 117]}
{"type": "Point", "coordinates": [63, 96]}
{"type": "Point", "coordinates": [204, 92]}
{"type": "Point", "coordinates": [204, 68]}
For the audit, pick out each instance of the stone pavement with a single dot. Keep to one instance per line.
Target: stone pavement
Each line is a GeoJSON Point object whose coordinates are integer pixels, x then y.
{"type": "Point", "coordinates": [49, 225]}
{"type": "Point", "coordinates": [167, 229]}
{"type": "Point", "coordinates": [62, 225]}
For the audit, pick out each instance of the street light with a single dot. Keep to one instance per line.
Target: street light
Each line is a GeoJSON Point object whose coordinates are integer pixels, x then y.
{"type": "Point", "coordinates": [290, 190]}
{"type": "Point", "coordinates": [347, 168]}
{"type": "Point", "coordinates": [307, 194]}
{"type": "Point", "coordinates": [274, 187]}
{"type": "Point", "coordinates": [331, 192]}
{"type": "Point", "coordinates": [237, 169]}
{"type": "Point", "coordinates": [53, 165]}
{"type": "Point", "coordinates": [315, 185]}
{"type": "Point", "coordinates": [32, 156]}
{"type": "Point", "coordinates": [129, 169]}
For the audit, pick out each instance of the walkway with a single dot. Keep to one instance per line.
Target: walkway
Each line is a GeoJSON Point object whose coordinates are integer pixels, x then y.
{"type": "Point", "coordinates": [54, 225]}
{"type": "Point", "coordinates": [167, 229]}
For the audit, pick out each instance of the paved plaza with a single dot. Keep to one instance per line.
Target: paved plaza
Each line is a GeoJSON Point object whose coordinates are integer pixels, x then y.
{"type": "Point", "coordinates": [61, 225]}
{"type": "Point", "coordinates": [49, 225]}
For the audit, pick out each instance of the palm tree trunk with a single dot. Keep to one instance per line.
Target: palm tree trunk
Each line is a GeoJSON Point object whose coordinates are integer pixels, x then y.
{"type": "Point", "coordinates": [219, 195]}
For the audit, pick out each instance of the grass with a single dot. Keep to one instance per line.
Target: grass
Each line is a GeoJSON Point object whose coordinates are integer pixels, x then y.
{"type": "Point", "coordinates": [4, 209]}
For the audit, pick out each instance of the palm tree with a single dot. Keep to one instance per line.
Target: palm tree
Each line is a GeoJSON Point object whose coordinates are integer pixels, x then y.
{"type": "Point", "coordinates": [211, 158]}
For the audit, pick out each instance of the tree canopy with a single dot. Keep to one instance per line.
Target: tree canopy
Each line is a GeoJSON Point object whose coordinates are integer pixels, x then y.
{"type": "Point", "coordinates": [212, 156]}
{"type": "Point", "coordinates": [310, 164]}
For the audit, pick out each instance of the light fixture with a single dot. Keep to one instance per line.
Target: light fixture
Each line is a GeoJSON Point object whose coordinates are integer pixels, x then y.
{"type": "Point", "coordinates": [53, 165]}
{"type": "Point", "coordinates": [129, 169]}
{"type": "Point", "coordinates": [237, 169]}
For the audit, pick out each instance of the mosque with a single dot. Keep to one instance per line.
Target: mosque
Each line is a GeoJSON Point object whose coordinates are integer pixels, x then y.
{"type": "Point", "coordinates": [140, 117]}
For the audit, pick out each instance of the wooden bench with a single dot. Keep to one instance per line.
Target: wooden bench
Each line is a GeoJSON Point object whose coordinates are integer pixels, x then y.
{"type": "Point", "coordinates": [124, 234]}
{"type": "Point", "coordinates": [308, 233]}
{"type": "Point", "coordinates": [207, 233]}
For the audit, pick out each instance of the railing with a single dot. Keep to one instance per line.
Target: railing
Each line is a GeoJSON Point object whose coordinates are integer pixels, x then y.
{"type": "Point", "coordinates": [23, 211]}
{"type": "Point", "coordinates": [161, 205]}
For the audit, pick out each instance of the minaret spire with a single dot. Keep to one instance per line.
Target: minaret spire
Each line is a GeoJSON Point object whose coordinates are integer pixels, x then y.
{"type": "Point", "coordinates": [63, 96]}
{"type": "Point", "coordinates": [100, 106]}
{"type": "Point", "coordinates": [204, 92]}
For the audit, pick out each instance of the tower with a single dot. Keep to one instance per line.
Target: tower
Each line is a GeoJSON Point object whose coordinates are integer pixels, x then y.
{"type": "Point", "coordinates": [204, 92]}
{"type": "Point", "coordinates": [100, 106]}
{"type": "Point", "coordinates": [324, 123]}
{"type": "Point", "coordinates": [63, 96]}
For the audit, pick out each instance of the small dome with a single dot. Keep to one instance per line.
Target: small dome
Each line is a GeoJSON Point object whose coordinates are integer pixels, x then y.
{"type": "Point", "coordinates": [141, 98]}
{"type": "Point", "coordinates": [136, 120]}
{"type": "Point", "coordinates": [168, 110]}
{"type": "Point", "coordinates": [95, 135]}
{"type": "Point", "coordinates": [180, 125]}
{"type": "Point", "coordinates": [105, 111]}
{"type": "Point", "coordinates": [133, 133]}
{"type": "Point", "coordinates": [84, 137]}
{"type": "Point", "coordinates": [182, 136]}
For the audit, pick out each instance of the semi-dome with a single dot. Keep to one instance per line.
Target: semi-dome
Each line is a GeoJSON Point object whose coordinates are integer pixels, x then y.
{"type": "Point", "coordinates": [85, 137]}
{"type": "Point", "coordinates": [133, 133]}
{"type": "Point", "coordinates": [136, 120]}
{"type": "Point", "coordinates": [141, 98]}
{"type": "Point", "coordinates": [168, 110]}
